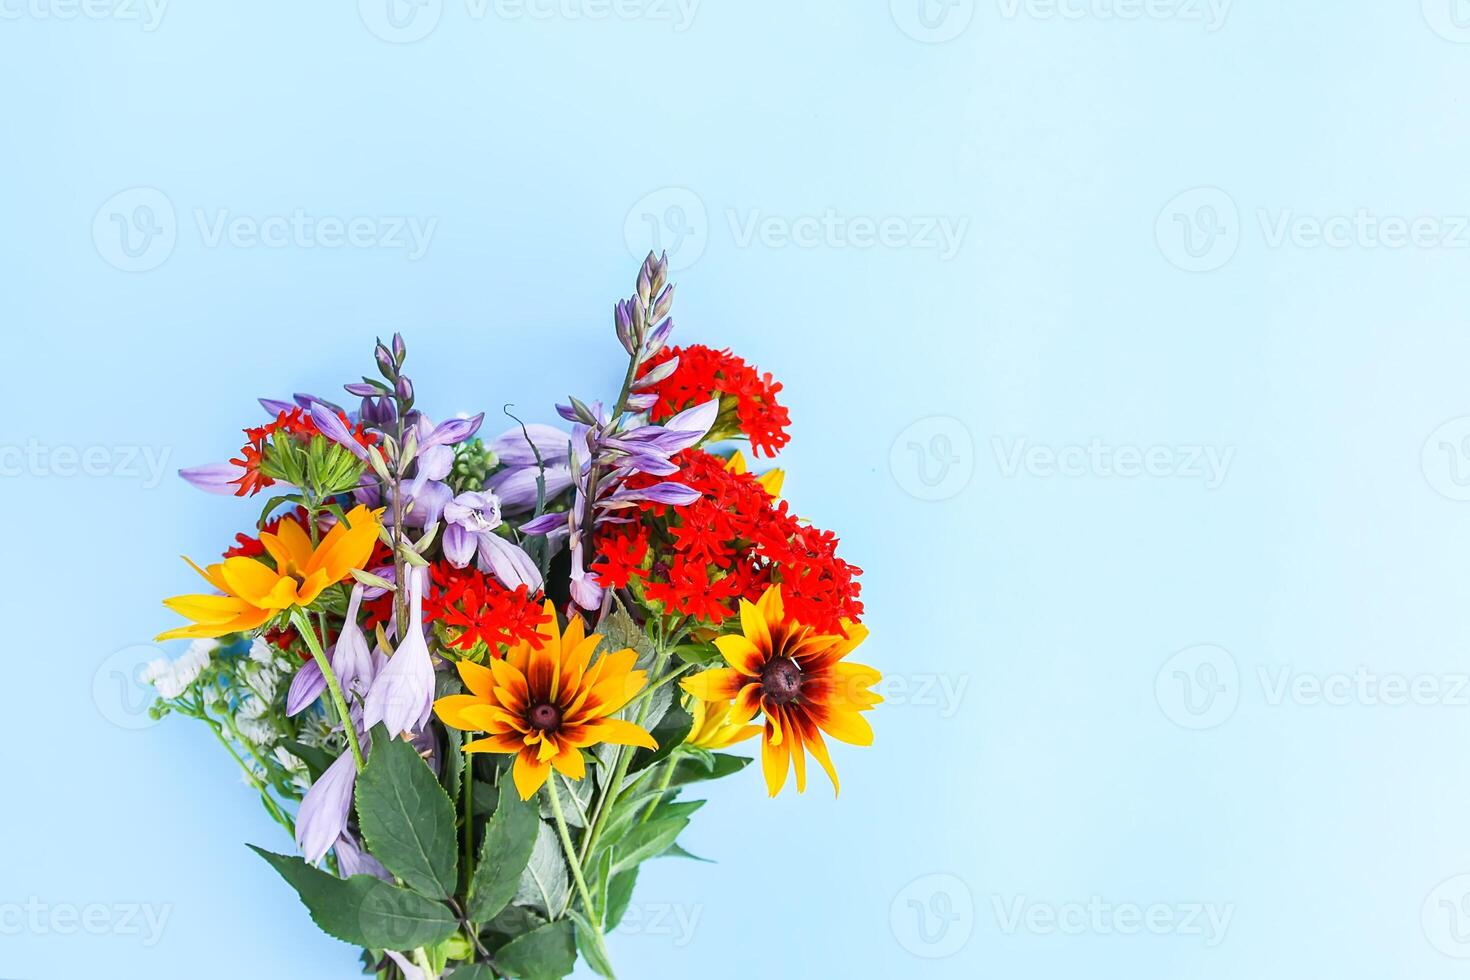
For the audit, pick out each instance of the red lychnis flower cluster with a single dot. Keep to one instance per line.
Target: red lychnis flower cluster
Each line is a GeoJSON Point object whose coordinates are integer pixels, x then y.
{"type": "Point", "coordinates": [469, 607]}
{"type": "Point", "coordinates": [297, 424]}
{"type": "Point", "coordinates": [733, 542]}
{"type": "Point", "coordinates": [748, 403]}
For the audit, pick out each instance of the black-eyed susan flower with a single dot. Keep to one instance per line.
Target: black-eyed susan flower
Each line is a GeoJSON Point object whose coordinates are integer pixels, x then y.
{"type": "Point", "coordinates": [546, 701]}
{"type": "Point", "coordinates": [796, 677]}
{"type": "Point", "coordinates": [254, 592]}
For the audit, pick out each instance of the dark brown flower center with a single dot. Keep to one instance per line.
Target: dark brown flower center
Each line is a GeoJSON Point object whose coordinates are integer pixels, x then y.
{"type": "Point", "coordinates": [781, 680]}
{"type": "Point", "coordinates": [545, 717]}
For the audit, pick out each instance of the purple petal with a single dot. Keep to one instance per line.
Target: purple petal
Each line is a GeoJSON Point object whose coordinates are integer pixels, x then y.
{"type": "Point", "coordinates": [428, 504]}
{"type": "Point", "coordinates": [361, 390]}
{"type": "Point", "coordinates": [459, 544]}
{"type": "Point", "coordinates": [697, 419]}
{"type": "Point", "coordinates": [402, 694]}
{"type": "Point", "coordinates": [516, 487]}
{"type": "Point", "coordinates": [329, 424]}
{"type": "Point", "coordinates": [512, 449]}
{"type": "Point", "coordinates": [353, 860]}
{"type": "Point", "coordinates": [658, 374]}
{"type": "Point", "coordinates": [512, 566]}
{"type": "Point", "coordinates": [214, 477]}
{"type": "Point", "coordinates": [306, 687]}
{"type": "Point", "coordinates": [667, 492]}
{"type": "Point", "coordinates": [451, 432]}
{"type": "Point", "coordinates": [275, 406]}
{"type": "Point", "coordinates": [544, 524]}
{"type": "Point", "coordinates": [323, 814]}
{"type": "Point", "coordinates": [642, 401]}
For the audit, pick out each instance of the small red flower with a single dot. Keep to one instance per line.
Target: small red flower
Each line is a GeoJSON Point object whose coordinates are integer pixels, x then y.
{"type": "Point", "coordinates": [747, 397]}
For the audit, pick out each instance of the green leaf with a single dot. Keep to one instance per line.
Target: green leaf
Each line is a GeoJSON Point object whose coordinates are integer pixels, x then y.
{"type": "Point", "coordinates": [317, 760]}
{"type": "Point", "coordinates": [545, 884]}
{"type": "Point", "coordinates": [407, 818]}
{"type": "Point", "coordinates": [669, 733]}
{"type": "Point", "coordinates": [700, 654]}
{"type": "Point", "coordinates": [476, 972]}
{"type": "Point", "coordinates": [693, 770]}
{"type": "Point", "coordinates": [510, 836]}
{"type": "Point", "coordinates": [675, 851]}
{"type": "Point", "coordinates": [547, 953]}
{"type": "Point", "coordinates": [363, 910]}
{"type": "Point", "coordinates": [587, 942]}
{"type": "Point", "coordinates": [647, 840]}
{"type": "Point", "coordinates": [619, 894]}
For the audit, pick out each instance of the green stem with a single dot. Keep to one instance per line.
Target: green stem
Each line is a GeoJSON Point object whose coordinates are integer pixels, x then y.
{"type": "Point", "coordinates": [669, 764]}
{"type": "Point", "coordinates": [576, 866]}
{"type": "Point", "coordinates": [304, 627]}
{"type": "Point", "coordinates": [468, 776]}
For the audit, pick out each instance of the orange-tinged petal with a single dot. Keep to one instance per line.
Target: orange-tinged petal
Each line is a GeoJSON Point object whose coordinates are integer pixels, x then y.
{"type": "Point", "coordinates": [549, 628]}
{"type": "Point", "coordinates": [747, 703]}
{"type": "Point", "coordinates": [775, 761]}
{"type": "Point", "coordinates": [211, 575]}
{"type": "Point", "coordinates": [530, 773]}
{"type": "Point", "coordinates": [477, 679]}
{"type": "Point", "coordinates": [772, 607]}
{"type": "Point", "coordinates": [742, 654]}
{"type": "Point", "coordinates": [716, 684]}
{"type": "Point", "coordinates": [451, 710]}
{"type": "Point", "coordinates": [496, 743]}
{"type": "Point", "coordinates": [542, 673]}
{"type": "Point", "coordinates": [510, 679]}
{"type": "Point", "coordinates": [482, 717]}
{"type": "Point", "coordinates": [569, 763]}
{"type": "Point", "coordinates": [772, 480]}
{"type": "Point", "coordinates": [248, 579]}
{"type": "Point", "coordinates": [818, 748]}
{"type": "Point", "coordinates": [843, 724]}
{"type": "Point", "coordinates": [207, 608]}
{"type": "Point", "coordinates": [753, 623]}
{"type": "Point", "coordinates": [613, 731]}
{"type": "Point", "coordinates": [736, 462]}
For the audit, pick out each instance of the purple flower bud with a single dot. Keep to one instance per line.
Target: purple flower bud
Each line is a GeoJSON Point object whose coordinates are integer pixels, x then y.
{"type": "Point", "coordinates": [361, 390]}
{"type": "Point", "coordinates": [330, 424]}
{"type": "Point", "coordinates": [404, 390]}
{"type": "Point", "coordinates": [400, 350]}
{"type": "Point", "coordinates": [385, 362]}
{"type": "Point", "coordinates": [659, 337]}
{"type": "Point", "coordinates": [624, 322]}
{"type": "Point", "coordinates": [451, 432]}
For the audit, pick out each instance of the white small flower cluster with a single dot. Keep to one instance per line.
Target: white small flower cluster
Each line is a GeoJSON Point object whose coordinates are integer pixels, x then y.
{"type": "Point", "coordinates": [172, 678]}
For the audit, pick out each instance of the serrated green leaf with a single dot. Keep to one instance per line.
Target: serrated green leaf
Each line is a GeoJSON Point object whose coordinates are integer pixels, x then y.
{"type": "Point", "coordinates": [545, 884]}
{"type": "Point", "coordinates": [510, 837]}
{"type": "Point", "coordinates": [693, 770]}
{"type": "Point", "coordinates": [547, 953]}
{"type": "Point", "coordinates": [363, 910]}
{"type": "Point", "coordinates": [406, 817]}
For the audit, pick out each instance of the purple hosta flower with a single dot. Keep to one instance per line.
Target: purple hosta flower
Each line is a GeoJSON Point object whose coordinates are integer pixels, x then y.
{"type": "Point", "coordinates": [220, 478]}
{"type": "Point", "coordinates": [323, 814]}
{"type": "Point", "coordinates": [352, 662]}
{"type": "Point", "coordinates": [611, 456]}
{"type": "Point", "coordinates": [402, 695]}
{"type": "Point", "coordinates": [426, 493]}
{"type": "Point", "coordinates": [352, 859]}
{"type": "Point", "coordinates": [469, 530]}
{"type": "Point", "coordinates": [515, 482]}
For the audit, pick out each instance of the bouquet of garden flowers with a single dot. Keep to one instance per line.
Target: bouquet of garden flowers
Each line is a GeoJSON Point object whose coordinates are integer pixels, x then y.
{"type": "Point", "coordinates": [473, 677]}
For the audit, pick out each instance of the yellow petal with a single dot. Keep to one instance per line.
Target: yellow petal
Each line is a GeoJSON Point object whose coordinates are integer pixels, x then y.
{"type": "Point", "coordinates": [530, 773]}
{"type": "Point", "coordinates": [451, 710]}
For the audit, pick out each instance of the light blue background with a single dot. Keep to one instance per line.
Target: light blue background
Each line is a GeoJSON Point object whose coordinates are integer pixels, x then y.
{"type": "Point", "coordinates": [1053, 602]}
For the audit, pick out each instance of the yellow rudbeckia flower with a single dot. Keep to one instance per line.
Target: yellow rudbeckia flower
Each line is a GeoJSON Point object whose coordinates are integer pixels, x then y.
{"type": "Point", "coordinates": [713, 729]}
{"type": "Point", "coordinates": [798, 680]}
{"type": "Point", "coordinates": [255, 593]}
{"type": "Point", "coordinates": [546, 704]}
